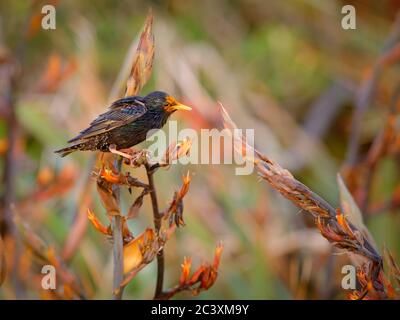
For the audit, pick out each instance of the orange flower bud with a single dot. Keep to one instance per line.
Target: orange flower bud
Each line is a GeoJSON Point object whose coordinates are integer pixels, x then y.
{"type": "Point", "coordinates": [107, 175]}
{"type": "Point", "coordinates": [217, 255]}
{"type": "Point", "coordinates": [96, 222]}
{"type": "Point", "coordinates": [186, 183]}
{"type": "Point", "coordinates": [186, 265]}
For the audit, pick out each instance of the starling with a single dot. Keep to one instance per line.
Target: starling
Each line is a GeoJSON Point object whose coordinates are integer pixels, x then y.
{"type": "Point", "coordinates": [125, 124]}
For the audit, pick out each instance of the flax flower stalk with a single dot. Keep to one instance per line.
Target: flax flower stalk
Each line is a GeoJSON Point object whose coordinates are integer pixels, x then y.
{"type": "Point", "coordinates": [332, 224]}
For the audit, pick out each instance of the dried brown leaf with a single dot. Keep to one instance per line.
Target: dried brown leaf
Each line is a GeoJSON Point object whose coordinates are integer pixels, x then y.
{"type": "Point", "coordinates": [135, 250]}
{"type": "Point", "coordinates": [143, 60]}
{"type": "Point", "coordinates": [137, 204]}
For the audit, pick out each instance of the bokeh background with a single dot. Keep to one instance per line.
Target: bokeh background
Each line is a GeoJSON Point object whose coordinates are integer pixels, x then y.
{"type": "Point", "coordinates": [284, 68]}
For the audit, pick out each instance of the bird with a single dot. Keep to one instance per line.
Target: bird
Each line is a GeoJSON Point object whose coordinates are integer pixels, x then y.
{"type": "Point", "coordinates": [125, 124]}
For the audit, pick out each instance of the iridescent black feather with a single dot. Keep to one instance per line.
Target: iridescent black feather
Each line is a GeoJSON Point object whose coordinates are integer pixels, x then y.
{"type": "Point", "coordinates": [125, 124]}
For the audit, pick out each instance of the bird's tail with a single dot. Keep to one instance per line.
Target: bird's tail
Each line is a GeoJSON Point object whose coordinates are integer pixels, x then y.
{"type": "Point", "coordinates": [66, 151]}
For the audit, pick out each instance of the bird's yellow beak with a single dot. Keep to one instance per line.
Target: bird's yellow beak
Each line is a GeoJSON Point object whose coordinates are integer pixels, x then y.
{"type": "Point", "coordinates": [173, 105]}
{"type": "Point", "coordinates": [180, 106]}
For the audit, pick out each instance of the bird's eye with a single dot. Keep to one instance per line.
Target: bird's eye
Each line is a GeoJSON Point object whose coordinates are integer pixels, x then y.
{"type": "Point", "coordinates": [166, 104]}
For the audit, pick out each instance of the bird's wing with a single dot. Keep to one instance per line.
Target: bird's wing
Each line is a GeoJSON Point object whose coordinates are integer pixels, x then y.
{"type": "Point", "coordinates": [120, 113]}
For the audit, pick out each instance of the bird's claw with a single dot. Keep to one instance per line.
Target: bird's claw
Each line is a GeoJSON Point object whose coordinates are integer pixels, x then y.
{"type": "Point", "coordinates": [139, 158]}
{"type": "Point", "coordinates": [133, 157]}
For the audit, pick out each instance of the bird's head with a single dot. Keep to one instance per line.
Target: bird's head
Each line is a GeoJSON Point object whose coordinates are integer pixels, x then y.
{"type": "Point", "coordinates": [162, 100]}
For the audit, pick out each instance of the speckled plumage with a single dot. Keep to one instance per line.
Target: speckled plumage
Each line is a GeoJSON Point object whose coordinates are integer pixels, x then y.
{"type": "Point", "coordinates": [125, 124]}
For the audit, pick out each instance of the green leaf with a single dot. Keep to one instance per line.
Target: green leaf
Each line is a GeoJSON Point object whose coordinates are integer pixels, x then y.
{"type": "Point", "coordinates": [37, 123]}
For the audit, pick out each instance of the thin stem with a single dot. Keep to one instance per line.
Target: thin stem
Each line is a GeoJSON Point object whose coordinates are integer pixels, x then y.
{"type": "Point", "coordinates": [118, 274]}
{"type": "Point", "coordinates": [157, 224]}
{"type": "Point", "coordinates": [10, 169]}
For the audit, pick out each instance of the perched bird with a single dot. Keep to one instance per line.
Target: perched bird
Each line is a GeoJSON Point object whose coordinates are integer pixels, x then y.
{"type": "Point", "coordinates": [125, 124]}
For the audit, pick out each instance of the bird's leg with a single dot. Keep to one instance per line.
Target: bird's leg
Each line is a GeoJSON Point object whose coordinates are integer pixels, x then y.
{"type": "Point", "coordinates": [114, 150]}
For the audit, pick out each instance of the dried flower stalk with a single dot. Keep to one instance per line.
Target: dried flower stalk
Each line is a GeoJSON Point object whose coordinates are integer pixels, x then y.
{"type": "Point", "coordinates": [333, 225]}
